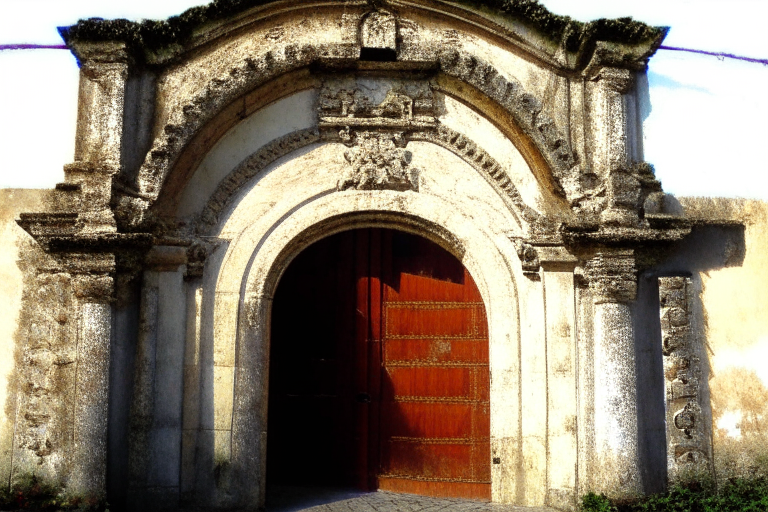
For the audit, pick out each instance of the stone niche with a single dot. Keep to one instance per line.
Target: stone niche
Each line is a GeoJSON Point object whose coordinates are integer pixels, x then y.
{"type": "Point", "coordinates": [212, 149]}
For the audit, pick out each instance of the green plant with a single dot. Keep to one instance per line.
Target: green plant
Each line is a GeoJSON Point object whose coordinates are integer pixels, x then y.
{"type": "Point", "coordinates": [592, 502]}
{"type": "Point", "coordinates": [734, 495]}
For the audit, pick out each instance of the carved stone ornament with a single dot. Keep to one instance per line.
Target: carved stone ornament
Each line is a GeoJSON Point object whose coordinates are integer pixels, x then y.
{"type": "Point", "coordinates": [370, 103]}
{"type": "Point", "coordinates": [379, 30]}
{"type": "Point", "coordinates": [378, 162]}
{"type": "Point", "coordinates": [529, 258]}
{"type": "Point", "coordinates": [687, 433]}
{"type": "Point", "coordinates": [612, 276]}
{"type": "Point", "coordinates": [374, 118]}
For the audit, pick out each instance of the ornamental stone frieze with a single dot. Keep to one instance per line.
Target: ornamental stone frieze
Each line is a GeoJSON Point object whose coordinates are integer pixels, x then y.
{"type": "Point", "coordinates": [688, 435]}
{"type": "Point", "coordinates": [375, 118]}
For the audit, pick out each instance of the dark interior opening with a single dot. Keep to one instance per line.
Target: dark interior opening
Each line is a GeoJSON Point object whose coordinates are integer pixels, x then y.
{"type": "Point", "coordinates": [326, 382]}
{"type": "Point", "coordinates": [378, 54]}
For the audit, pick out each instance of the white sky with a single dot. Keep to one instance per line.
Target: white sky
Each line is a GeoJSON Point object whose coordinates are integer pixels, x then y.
{"type": "Point", "coordinates": [707, 133]}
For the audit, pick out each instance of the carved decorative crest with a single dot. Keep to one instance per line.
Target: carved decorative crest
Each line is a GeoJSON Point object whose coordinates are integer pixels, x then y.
{"type": "Point", "coordinates": [379, 30]}
{"type": "Point", "coordinates": [378, 162]}
{"type": "Point", "coordinates": [377, 104]}
{"type": "Point", "coordinates": [374, 118]}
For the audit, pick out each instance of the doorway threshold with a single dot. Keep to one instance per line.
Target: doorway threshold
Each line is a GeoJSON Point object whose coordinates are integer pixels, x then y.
{"type": "Point", "coordinates": [335, 499]}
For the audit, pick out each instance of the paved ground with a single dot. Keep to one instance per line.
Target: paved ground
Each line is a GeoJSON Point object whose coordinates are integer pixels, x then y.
{"type": "Point", "coordinates": [289, 499]}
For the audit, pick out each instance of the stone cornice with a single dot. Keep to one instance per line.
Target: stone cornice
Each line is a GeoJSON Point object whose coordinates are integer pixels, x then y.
{"type": "Point", "coordinates": [619, 42]}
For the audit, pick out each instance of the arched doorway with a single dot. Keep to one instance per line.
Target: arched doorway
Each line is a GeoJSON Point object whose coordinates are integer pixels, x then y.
{"type": "Point", "coordinates": [379, 375]}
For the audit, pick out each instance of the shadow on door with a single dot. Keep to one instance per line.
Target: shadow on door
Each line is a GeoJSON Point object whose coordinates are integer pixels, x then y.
{"type": "Point", "coordinates": [379, 370]}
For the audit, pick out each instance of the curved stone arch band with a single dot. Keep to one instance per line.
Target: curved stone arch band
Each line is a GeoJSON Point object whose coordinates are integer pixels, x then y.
{"type": "Point", "coordinates": [460, 145]}
{"type": "Point", "coordinates": [188, 119]}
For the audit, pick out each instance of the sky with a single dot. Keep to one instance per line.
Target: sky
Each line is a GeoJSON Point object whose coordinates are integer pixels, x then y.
{"type": "Point", "coordinates": [706, 134]}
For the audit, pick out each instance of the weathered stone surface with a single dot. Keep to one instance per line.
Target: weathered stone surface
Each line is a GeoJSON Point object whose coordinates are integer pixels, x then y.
{"type": "Point", "coordinates": [214, 147]}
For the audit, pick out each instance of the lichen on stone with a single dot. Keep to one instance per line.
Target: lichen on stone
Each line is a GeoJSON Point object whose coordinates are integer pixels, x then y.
{"type": "Point", "coordinates": [155, 36]}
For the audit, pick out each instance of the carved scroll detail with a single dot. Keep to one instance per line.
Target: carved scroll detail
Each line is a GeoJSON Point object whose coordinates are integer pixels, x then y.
{"type": "Point", "coordinates": [374, 119]}
{"type": "Point", "coordinates": [687, 437]}
{"type": "Point", "coordinates": [378, 162]}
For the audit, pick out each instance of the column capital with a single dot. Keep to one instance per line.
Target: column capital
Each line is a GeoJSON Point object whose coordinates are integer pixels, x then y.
{"type": "Point", "coordinates": [96, 288]}
{"type": "Point", "coordinates": [612, 276]}
{"type": "Point", "coordinates": [616, 79]}
{"type": "Point", "coordinates": [93, 54]}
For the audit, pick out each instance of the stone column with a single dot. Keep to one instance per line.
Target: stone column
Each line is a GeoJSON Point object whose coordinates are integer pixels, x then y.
{"type": "Point", "coordinates": [89, 462]}
{"type": "Point", "coordinates": [612, 279]}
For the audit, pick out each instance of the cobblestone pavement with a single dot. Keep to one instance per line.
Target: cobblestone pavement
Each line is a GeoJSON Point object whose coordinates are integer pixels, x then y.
{"type": "Point", "coordinates": [289, 499]}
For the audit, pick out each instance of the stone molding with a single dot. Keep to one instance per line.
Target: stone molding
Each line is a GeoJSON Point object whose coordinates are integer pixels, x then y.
{"type": "Point", "coordinates": [688, 446]}
{"type": "Point", "coordinates": [458, 144]}
{"type": "Point", "coordinates": [612, 276]}
{"type": "Point", "coordinates": [185, 122]}
{"type": "Point", "coordinates": [621, 42]}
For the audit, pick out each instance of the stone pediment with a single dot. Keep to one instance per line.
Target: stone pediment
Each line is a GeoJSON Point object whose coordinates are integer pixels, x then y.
{"type": "Point", "coordinates": [618, 42]}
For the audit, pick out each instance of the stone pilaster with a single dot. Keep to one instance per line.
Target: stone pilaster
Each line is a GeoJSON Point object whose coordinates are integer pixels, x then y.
{"type": "Point", "coordinates": [688, 438]}
{"type": "Point", "coordinates": [612, 279]}
{"type": "Point", "coordinates": [94, 292]}
{"type": "Point", "coordinates": [615, 161]}
{"type": "Point", "coordinates": [155, 424]}
{"type": "Point", "coordinates": [104, 70]}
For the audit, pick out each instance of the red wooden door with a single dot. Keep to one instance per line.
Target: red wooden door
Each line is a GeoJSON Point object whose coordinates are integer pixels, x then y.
{"type": "Point", "coordinates": [435, 416]}
{"type": "Point", "coordinates": [397, 389]}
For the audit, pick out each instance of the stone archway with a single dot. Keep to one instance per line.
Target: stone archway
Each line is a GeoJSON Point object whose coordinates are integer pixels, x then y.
{"type": "Point", "coordinates": [214, 148]}
{"type": "Point", "coordinates": [248, 332]}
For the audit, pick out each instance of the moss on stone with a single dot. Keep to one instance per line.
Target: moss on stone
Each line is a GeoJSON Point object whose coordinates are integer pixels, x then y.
{"type": "Point", "coordinates": [155, 35]}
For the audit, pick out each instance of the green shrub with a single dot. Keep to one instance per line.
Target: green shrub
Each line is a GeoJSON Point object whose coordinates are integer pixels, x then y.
{"type": "Point", "coordinates": [735, 495]}
{"type": "Point", "coordinates": [592, 502]}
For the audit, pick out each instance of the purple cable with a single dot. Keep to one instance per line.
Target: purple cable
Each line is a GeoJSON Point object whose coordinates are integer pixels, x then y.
{"type": "Point", "coordinates": [720, 55]}
{"type": "Point", "coordinates": [33, 47]}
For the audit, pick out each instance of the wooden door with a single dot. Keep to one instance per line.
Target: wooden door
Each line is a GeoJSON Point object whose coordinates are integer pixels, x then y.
{"type": "Point", "coordinates": [396, 389]}
{"type": "Point", "coordinates": [435, 416]}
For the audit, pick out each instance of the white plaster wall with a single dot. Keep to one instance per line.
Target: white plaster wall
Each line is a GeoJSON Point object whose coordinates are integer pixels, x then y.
{"type": "Point", "coordinates": [461, 118]}
{"type": "Point", "coordinates": [284, 116]}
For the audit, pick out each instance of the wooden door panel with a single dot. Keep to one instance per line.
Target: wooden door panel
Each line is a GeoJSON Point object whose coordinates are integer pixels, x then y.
{"type": "Point", "coordinates": [415, 287]}
{"type": "Point", "coordinates": [429, 420]}
{"type": "Point", "coordinates": [435, 391]}
{"type": "Point", "coordinates": [427, 382]}
{"type": "Point", "coordinates": [436, 351]}
{"type": "Point", "coordinates": [451, 488]}
{"type": "Point", "coordinates": [444, 460]}
{"type": "Point", "coordinates": [379, 370]}
{"type": "Point", "coordinates": [431, 320]}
